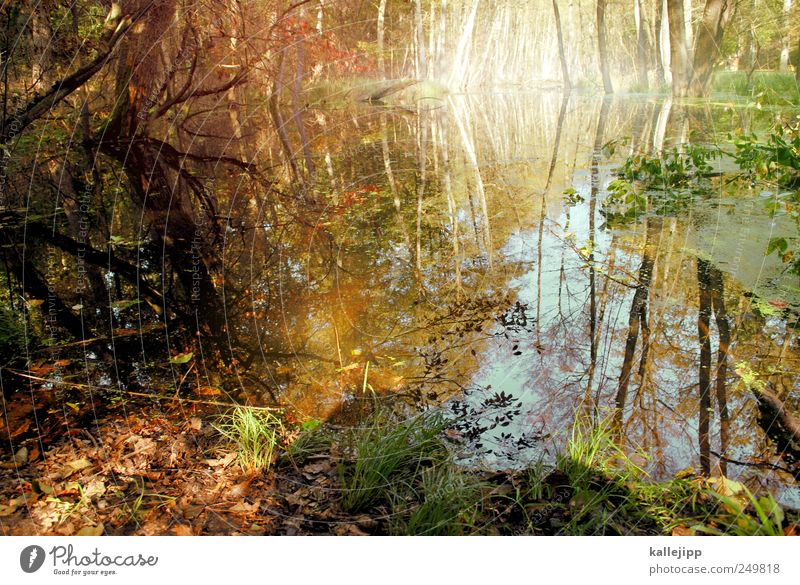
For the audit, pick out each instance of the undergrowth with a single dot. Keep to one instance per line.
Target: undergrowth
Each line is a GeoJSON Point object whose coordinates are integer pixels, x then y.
{"type": "Point", "coordinates": [401, 472]}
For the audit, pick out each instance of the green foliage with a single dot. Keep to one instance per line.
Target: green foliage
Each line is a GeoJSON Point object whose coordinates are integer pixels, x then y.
{"type": "Point", "coordinates": [255, 433]}
{"type": "Point", "coordinates": [777, 159]}
{"type": "Point", "coordinates": [387, 454]}
{"type": "Point", "coordinates": [674, 168]}
{"type": "Point", "coordinates": [12, 336]}
{"type": "Point", "coordinates": [764, 87]}
{"type": "Point", "coordinates": [660, 185]}
{"type": "Point", "coordinates": [450, 501]}
{"type": "Point", "coordinates": [743, 514]}
{"type": "Point", "coordinates": [776, 162]}
{"type": "Point", "coordinates": [314, 439]}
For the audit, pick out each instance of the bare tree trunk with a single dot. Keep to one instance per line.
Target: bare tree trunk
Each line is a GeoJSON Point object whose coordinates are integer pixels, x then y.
{"type": "Point", "coordinates": [704, 337]}
{"type": "Point", "coordinates": [562, 57]}
{"type": "Point", "coordinates": [41, 33]}
{"type": "Point", "coordinates": [599, 137]}
{"type": "Point", "coordinates": [381, 30]}
{"type": "Point", "coordinates": [423, 174]}
{"type": "Point", "coordinates": [797, 63]}
{"type": "Point", "coordinates": [716, 16]}
{"type": "Point", "coordinates": [687, 22]}
{"type": "Point", "coordinates": [638, 313]}
{"type": "Point", "coordinates": [749, 56]}
{"type": "Point", "coordinates": [297, 114]}
{"type": "Point", "coordinates": [387, 165]}
{"type": "Point", "coordinates": [273, 104]}
{"type": "Point", "coordinates": [785, 34]}
{"type": "Point", "coordinates": [641, 45]}
{"type": "Point", "coordinates": [662, 41]}
{"type": "Point", "coordinates": [422, 60]}
{"type": "Point", "coordinates": [461, 59]}
{"type": "Point", "coordinates": [724, 332]}
{"type": "Point", "coordinates": [678, 52]}
{"type": "Point", "coordinates": [602, 48]}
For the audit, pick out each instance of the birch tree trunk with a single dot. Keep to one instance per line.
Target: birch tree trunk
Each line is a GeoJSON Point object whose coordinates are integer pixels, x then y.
{"type": "Point", "coordinates": [602, 49]}
{"type": "Point", "coordinates": [641, 46]}
{"type": "Point", "coordinates": [381, 30]}
{"type": "Point", "coordinates": [561, 56]}
{"type": "Point", "coordinates": [461, 60]}
{"type": "Point", "coordinates": [785, 41]}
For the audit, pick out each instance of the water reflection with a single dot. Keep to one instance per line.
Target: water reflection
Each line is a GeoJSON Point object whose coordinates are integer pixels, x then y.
{"type": "Point", "coordinates": [459, 252]}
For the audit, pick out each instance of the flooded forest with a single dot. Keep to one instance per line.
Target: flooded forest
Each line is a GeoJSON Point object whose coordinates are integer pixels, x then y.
{"type": "Point", "coordinates": [400, 267]}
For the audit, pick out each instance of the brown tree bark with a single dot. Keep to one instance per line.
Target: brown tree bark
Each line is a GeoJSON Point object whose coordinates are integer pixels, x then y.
{"type": "Point", "coordinates": [716, 16]}
{"type": "Point", "coordinates": [679, 54]}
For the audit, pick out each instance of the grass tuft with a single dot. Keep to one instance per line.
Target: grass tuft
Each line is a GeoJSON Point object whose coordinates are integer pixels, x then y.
{"type": "Point", "coordinates": [256, 434]}
{"type": "Point", "coordinates": [387, 454]}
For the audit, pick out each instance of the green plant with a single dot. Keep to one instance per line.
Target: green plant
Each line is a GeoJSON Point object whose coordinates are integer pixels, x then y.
{"type": "Point", "coordinates": [385, 454]}
{"type": "Point", "coordinates": [12, 336]}
{"type": "Point", "coordinates": [663, 184]}
{"type": "Point", "coordinates": [450, 502]}
{"type": "Point", "coordinates": [763, 87]}
{"type": "Point", "coordinates": [313, 439]}
{"type": "Point", "coordinates": [735, 515]}
{"type": "Point", "coordinates": [256, 434]}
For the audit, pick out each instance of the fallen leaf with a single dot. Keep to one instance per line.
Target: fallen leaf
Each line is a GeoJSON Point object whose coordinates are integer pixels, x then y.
{"type": "Point", "coordinates": [41, 488]}
{"type": "Point", "coordinates": [243, 508]}
{"type": "Point", "coordinates": [349, 530]}
{"type": "Point", "coordinates": [74, 467]}
{"type": "Point", "coordinates": [241, 489]}
{"type": "Point", "coordinates": [183, 530]}
{"type": "Point", "coordinates": [228, 459]}
{"type": "Point", "coordinates": [19, 459]}
{"type": "Point", "coordinates": [320, 467]}
{"type": "Point", "coordinates": [181, 358]}
{"type": "Point", "coordinates": [295, 501]}
{"type": "Point", "coordinates": [22, 428]}
{"type": "Point", "coordinates": [91, 530]}
{"type": "Point", "coordinates": [14, 503]}
{"type": "Point", "coordinates": [208, 391]}
{"type": "Point", "coordinates": [94, 489]}
{"type": "Point", "coordinates": [366, 522]}
{"type": "Point", "coordinates": [21, 456]}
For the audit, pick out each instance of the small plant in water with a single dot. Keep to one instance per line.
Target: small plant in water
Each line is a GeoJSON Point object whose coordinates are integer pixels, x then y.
{"type": "Point", "coordinates": [255, 433]}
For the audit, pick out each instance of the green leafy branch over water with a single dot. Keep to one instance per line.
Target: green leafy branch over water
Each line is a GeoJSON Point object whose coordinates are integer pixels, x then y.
{"type": "Point", "coordinates": [669, 182]}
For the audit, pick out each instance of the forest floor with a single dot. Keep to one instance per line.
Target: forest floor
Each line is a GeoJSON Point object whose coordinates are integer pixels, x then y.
{"type": "Point", "coordinates": [147, 470]}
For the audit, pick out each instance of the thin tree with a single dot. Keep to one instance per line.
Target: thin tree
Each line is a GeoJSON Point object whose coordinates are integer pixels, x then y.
{"type": "Point", "coordinates": [602, 48]}
{"type": "Point", "coordinates": [561, 55]}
